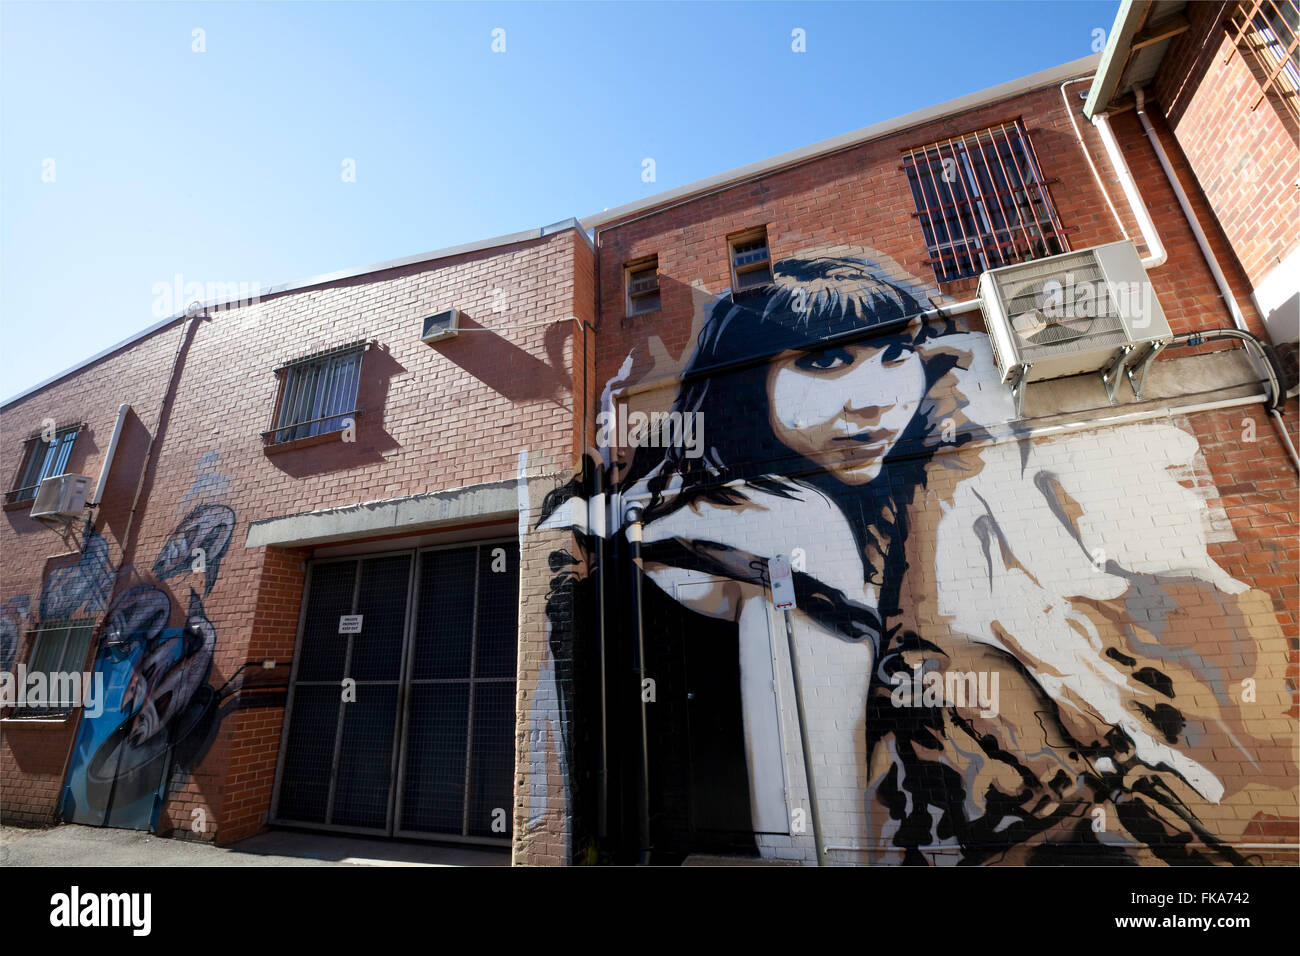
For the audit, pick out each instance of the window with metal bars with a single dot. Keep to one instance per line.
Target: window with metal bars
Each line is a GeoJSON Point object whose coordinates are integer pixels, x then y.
{"type": "Point", "coordinates": [982, 202]}
{"type": "Point", "coordinates": [59, 650]}
{"type": "Point", "coordinates": [1268, 33]}
{"type": "Point", "coordinates": [42, 459]}
{"type": "Point", "coordinates": [318, 394]}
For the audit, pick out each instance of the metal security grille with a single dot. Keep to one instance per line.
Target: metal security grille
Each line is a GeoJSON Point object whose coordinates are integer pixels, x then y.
{"type": "Point", "coordinates": [339, 755]}
{"type": "Point", "coordinates": [982, 202]}
{"type": "Point", "coordinates": [427, 746]}
{"type": "Point", "coordinates": [1268, 32]}
{"type": "Point", "coordinates": [460, 748]}
{"type": "Point", "coordinates": [43, 459]}
{"type": "Point", "coordinates": [317, 394]}
{"type": "Point", "coordinates": [59, 651]}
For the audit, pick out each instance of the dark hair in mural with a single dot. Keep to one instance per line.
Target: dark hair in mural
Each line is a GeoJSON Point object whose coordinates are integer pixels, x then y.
{"type": "Point", "coordinates": [817, 306]}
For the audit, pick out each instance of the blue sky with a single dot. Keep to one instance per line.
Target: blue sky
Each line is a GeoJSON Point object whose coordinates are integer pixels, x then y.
{"type": "Point", "coordinates": [227, 165]}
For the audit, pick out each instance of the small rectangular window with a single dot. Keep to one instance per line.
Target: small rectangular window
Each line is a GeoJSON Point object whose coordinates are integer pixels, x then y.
{"type": "Point", "coordinates": [59, 653]}
{"type": "Point", "coordinates": [982, 202]}
{"type": "Point", "coordinates": [751, 264]}
{"type": "Point", "coordinates": [318, 394]}
{"type": "Point", "coordinates": [642, 286]}
{"type": "Point", "coordinates": [42, 459]}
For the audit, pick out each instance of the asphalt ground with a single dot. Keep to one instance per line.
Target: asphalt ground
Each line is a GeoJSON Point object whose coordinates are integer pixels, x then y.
{"type": "Point", "coordinates": [73, 845]}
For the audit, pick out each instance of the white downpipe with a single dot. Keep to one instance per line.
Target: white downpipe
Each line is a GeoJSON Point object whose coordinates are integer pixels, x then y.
{"type": "Point", "coordinates": [1237, 319]}
{"type": "Point", "coordinates": [1225, 290]}
{"type": "Point", "coordinates": [1083, 148]}
{"type": "Point", "coordinates": [1156, 255]}
{"type": "Point", "coordinates": [108, 455]}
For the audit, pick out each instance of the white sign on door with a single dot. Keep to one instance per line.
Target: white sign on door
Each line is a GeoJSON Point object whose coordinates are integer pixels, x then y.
{"type": "Point", "coordinates": [782, 578]}
{"type": "Point", "coordinates": [350, 624]}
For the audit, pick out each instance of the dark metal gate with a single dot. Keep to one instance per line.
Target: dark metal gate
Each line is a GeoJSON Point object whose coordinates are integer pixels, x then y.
{"type": "Point", "coordinates": [407, 727]}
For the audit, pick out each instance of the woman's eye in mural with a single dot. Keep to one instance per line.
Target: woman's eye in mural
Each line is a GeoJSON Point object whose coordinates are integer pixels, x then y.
{"type": "Point", "coordinates": [838, 359]}
{"type": "Point", "coordinates": [896, 354]}
{"type": "Point", "coordinates": [827, 360]}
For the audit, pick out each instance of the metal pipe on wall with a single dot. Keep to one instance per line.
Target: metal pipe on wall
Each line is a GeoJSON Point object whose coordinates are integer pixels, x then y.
{"type": "Point", "coordinates": [186, 324]}
{"type": "Point", "coordinates": [633, 516]}
{"type": "Point", "coordinates": [1156, 254]}
{"type": "Point", "coordinates": [1083, 148]}
{"type": "Point", "coordinates": [1189, 214]}
{"type": "Point", "coordinates": [1220, 280]}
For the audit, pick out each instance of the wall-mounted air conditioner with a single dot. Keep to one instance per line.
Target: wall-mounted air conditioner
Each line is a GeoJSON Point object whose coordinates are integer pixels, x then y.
{"type": "Point", "coordinates": [440, 325]}
{"type": "Point", "coordinates": [1079, 312]}
{"type": "Point", "coordinates": [61, 497]}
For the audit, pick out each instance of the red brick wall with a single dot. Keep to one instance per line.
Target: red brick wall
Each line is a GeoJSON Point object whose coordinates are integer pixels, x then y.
{"type": "Point", "coordinates": [1244, 155]}
{"type": "Point", "coordinates": [434, 418]}
{"type": "Point", "coordinates": [861, 197]}
{"type": "Point", "coordinates": [1257, 489]}
{"type": "Point", "coordinates": [33, 754]}
{"type": "Point", "coordinates": [253, 736]}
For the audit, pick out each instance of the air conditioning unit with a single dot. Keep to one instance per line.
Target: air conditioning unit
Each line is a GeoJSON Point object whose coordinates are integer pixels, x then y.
{"type": "Point", "coordinates": [60, 497]}
{"type": "Point", "coordinates": [1079, 312]}
{"type": "Point", "coordinates": [440, 325]}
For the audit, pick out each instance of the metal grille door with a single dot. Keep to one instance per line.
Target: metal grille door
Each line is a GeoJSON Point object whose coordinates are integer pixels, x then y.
{"type": "Point", "coordinates": [339, 753]}
{"type": "Point", "coordinates": [407, 726]}
{"type": "Point", "coordinates": [459, 761]}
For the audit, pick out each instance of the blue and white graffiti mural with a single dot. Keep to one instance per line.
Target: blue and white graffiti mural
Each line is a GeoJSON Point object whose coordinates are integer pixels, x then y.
{"type": "Point", "coordinates": [84, 586]}
{"type": "Point", "coordinates": [160, 714]}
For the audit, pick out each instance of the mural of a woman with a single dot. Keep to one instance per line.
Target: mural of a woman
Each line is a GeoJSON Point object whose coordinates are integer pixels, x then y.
{"type": "Point", "coordinates": [848, 422]}
{"type": "Point", "coordinates": [804, 393]}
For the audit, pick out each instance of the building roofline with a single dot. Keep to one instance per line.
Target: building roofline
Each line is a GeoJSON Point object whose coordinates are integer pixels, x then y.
{"type": "Point", "coordinates": [649, 204]}
{"type": "Point", "coordinates": [1105, 84]}
{"type": "Point", "coordinates": [795, 157]}
{"type": "Point", "coordinates": [324, 279]}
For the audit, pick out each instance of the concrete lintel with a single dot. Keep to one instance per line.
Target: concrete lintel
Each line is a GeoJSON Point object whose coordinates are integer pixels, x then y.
{"type": "Point", "coordinates": [421, 512]}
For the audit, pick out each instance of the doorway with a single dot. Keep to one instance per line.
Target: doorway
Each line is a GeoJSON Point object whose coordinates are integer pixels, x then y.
{"type": "Point", "coordinates": [401, 711]}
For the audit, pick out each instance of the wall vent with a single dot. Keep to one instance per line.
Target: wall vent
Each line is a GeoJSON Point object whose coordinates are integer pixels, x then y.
{"type": "Point", "coordinates": [440, 325]}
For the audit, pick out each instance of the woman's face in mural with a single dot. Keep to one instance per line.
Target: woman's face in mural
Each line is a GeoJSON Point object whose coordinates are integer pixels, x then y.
{"type": "Point", "coordinates": [845, 407]}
